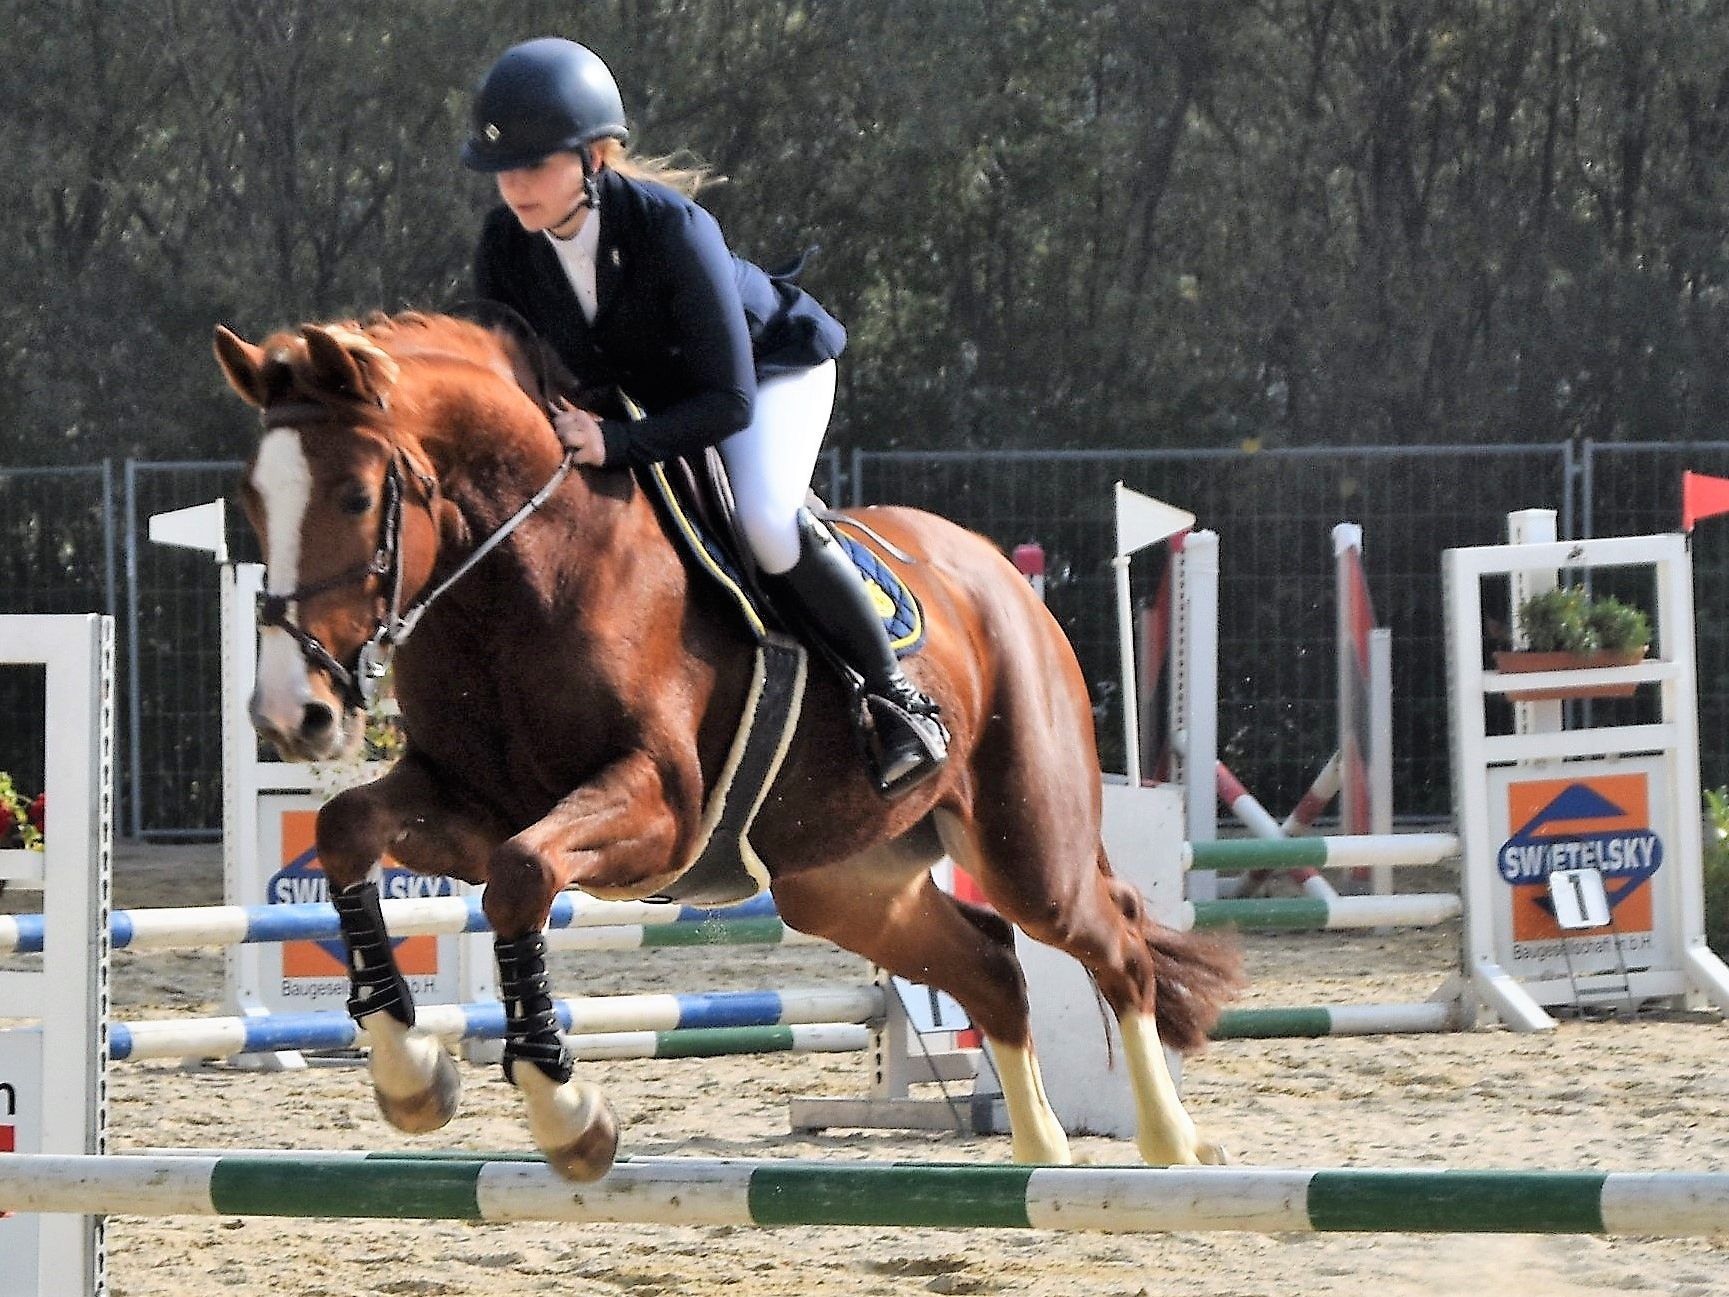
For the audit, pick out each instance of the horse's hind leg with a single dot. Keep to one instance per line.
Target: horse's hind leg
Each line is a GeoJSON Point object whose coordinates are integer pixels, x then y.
{"type": "Point", "coordinates": [1165, 1133]}
{"type": "Point", "coordinates": [897, 918]}
{"type": "Point", "coordinates": [414, 1080]}
{"type": "Point", "coordinates": [1158, 982]}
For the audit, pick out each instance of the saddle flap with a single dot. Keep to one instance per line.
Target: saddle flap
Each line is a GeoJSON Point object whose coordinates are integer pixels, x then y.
{"type": "Point", "coordinates": [696, 498]}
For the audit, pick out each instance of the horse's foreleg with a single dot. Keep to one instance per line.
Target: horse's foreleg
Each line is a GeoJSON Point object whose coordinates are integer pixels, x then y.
{"type": "Point", "coordinates": [406, 813]}
{"type": "Point", "coordinates": [613, 833]}
{"type": "Point", "coordinates": [570, 1120]}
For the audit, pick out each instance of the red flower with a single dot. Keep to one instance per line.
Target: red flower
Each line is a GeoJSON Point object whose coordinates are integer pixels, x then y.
{"type": "Point", "coordinates": [39, 811]}
{"type": "Point", "coordinates": [8, 822]}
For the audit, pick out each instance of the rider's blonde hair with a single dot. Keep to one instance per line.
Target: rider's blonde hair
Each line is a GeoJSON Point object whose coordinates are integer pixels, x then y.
{"type": "Point", "coordinates": [687, 178]}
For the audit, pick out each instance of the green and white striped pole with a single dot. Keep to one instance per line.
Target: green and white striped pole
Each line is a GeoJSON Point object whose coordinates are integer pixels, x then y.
{"type": "Point", "coordinates": [738, 1193]}
{"type": "Point", "coordinates": [718, 1042]}
{"type": "Point", "coordinates": [1336, 1020]}
{"type": "Point", "coordinates": [1333, 914]}
{"type": "Point", "coordinates": [1240, 855]}
{"type": "Point", "coordinates": [680, 936]}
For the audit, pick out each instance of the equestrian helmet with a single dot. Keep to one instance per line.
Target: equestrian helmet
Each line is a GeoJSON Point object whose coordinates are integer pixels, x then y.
{"type": "Point", "coordinates": [542, 97]}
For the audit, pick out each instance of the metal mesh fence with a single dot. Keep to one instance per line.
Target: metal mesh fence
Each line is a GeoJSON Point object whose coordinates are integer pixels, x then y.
{"type": "Point", "coordinates": [173, 661]}
{"type": "Point", "coordinates": [56, 556]}
{"type": "Point", "coordinates": [74, 541]}
{"type": "Point", "coordinates": [1274, 512]}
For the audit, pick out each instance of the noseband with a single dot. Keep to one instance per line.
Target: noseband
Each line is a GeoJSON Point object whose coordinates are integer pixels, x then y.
{"type": "Point", "coordinates": [357, 686]}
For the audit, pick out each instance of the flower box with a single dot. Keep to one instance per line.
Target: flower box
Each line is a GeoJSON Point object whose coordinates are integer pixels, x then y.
{"type": "Point", "coordinates": [1519, 662]}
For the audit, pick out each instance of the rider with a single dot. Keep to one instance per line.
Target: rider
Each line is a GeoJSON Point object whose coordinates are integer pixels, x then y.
{"type": "Point", "coordinates": [632, 284]}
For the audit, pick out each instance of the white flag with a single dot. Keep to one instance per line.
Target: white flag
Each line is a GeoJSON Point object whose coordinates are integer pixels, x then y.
{"type": "Point", "coordinates": [203, 526]}
{"type": "Point", "coordinates": [1143, 521]}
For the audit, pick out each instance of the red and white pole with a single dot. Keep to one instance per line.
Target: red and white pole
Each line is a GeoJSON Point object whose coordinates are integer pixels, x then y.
{"type": "Point", "coordinates": [1029, 561]}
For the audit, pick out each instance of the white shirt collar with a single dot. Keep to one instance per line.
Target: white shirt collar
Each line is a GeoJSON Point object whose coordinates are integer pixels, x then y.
{"type": "Point", "coordinates": [576, 254]}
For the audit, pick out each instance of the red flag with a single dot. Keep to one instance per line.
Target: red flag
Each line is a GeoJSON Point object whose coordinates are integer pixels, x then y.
{"type": "Point", "coordinates": [1702, 497]}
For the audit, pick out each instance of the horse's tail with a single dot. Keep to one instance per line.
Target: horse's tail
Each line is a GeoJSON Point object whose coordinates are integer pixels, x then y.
{"type": "Point", "coordinates": [1197, 974]}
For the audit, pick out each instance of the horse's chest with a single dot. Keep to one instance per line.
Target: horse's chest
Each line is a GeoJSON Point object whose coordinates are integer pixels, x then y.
{"type": "Point", "coordinates": [522, 733]}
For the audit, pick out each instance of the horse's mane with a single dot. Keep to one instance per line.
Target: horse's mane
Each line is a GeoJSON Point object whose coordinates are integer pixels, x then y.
{"type": "Point", "coordinates": [379, 342]}
{"type": "Point", "coordinates": [390, 352]}
{"type": "Point", "coordinates": [425, 331]}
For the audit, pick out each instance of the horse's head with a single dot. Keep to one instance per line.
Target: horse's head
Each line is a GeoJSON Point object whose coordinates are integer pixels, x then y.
{"type": "Point", "coordinates": [345, 498]}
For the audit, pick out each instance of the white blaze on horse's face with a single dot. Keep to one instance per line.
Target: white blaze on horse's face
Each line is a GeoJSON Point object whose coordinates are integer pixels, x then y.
{"type": "Point", "coordinates": [283, 480]}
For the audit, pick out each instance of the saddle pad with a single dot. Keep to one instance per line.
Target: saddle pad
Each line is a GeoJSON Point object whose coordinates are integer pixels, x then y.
{"type": "Point", "coordinates": [724, 868]}
{"type": "Point", "coordinates": [903, 619]}
{"type": "Point", "coordinates": [902, 616]}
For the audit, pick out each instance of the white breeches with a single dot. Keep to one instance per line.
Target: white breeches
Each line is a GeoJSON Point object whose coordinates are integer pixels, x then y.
{"type": "Point", "coordinates": [770, 462]}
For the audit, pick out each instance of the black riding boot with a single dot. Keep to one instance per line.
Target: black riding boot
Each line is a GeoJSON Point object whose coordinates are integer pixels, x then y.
{"type": "Point", "coordinates": [911, 743]}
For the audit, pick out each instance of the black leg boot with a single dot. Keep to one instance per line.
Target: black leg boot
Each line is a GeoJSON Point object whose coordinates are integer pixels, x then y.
{"type": "Point", "coordinates": [911, 743]}
{"type": "Point", "coordinates": [375, 984]}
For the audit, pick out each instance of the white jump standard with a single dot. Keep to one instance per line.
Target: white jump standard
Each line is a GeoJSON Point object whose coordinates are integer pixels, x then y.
{"type": "Point", "coordinates": [53, 1078]}
{"type": "Point", "coordinates": [1620, 802]}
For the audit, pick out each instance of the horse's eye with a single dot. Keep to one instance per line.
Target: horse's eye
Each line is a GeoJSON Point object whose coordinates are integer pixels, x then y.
{"type": "Point", "coordinates": [356, 503]}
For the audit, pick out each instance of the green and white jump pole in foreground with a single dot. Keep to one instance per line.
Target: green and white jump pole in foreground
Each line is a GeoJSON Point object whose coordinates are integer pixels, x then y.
{"type": "Point", "coordinates": [688, 1191]}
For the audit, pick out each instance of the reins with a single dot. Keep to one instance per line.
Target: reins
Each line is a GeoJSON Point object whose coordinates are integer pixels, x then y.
{"type": "Point", "coordinates": [404, 625]}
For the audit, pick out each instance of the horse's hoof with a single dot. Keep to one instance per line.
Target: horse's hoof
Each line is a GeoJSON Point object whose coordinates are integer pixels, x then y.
{"type": "Point", "coordinates": [1210, 1153]}
{"type": "Point", "coordinates": [572, 1123]}
{"type": "Point", "coordinates": [591, 1154]}
{"type": "Point", "coordinates": [1188, 1149]}
{"type": "Point", "coordinates": [432, 1108]}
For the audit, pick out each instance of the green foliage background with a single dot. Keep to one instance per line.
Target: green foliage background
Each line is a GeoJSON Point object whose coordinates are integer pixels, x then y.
{"type": "Point", "coordinates": [1717, 870]}
{"type": "Point", "coordinates": [1052, 223]}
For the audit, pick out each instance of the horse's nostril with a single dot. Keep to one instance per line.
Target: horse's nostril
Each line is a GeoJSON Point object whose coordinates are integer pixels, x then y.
{"type": "Point", "coordinates": [317, 720]}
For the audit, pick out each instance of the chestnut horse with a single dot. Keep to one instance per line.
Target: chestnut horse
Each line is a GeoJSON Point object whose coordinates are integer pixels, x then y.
{"type": "Point", "coordinates": [568, 702]}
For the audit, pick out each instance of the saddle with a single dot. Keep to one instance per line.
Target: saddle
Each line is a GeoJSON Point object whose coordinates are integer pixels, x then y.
{"type": "Point", "coordinates": [697, 491]}
{"type": "Point", "coordinates": [695, 502]}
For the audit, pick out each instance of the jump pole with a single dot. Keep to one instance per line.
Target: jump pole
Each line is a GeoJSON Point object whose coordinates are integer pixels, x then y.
{"type": "Point", "coordinates": [232, 925]}
{"type": "Point", "coordinates": [53, 1075]}
{"type": "Point", "coordinates": [1344, 851]}
{"type": "Point", "coordinates": [689, 1192]}
{"type": "Point", "coordinates": [694, 928]}
{"type": "Point", "coordinates": [698, 1027]}
{"type": "Point", "coordinates": [484, 1020]}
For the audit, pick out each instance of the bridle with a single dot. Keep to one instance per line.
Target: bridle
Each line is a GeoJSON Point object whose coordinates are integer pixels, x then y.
{"type": "Point", "coordinates": [357, 686]}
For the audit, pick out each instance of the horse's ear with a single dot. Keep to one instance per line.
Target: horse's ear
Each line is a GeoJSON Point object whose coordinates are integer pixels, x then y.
{"type": "Point", "coordinates": [242, 365]}
{"type": "Point", "coordinates": [348, 365]}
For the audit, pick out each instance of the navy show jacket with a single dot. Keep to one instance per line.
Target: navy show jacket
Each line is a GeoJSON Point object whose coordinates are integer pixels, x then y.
{"type": "Point", "coordinates": [681, 325]}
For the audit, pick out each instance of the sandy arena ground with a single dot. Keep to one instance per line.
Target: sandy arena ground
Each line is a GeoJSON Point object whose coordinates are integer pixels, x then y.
{"type": "Point", "coordinates": [1643, 1095]}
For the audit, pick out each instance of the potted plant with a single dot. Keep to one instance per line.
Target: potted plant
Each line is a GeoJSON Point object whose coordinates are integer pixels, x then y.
{"type": "Point", "coordinates": [21, 818]}
{"type": "Point", "coordinates": [385, 741]}
{"type": "Point", "coordinates": [1566, 629]}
